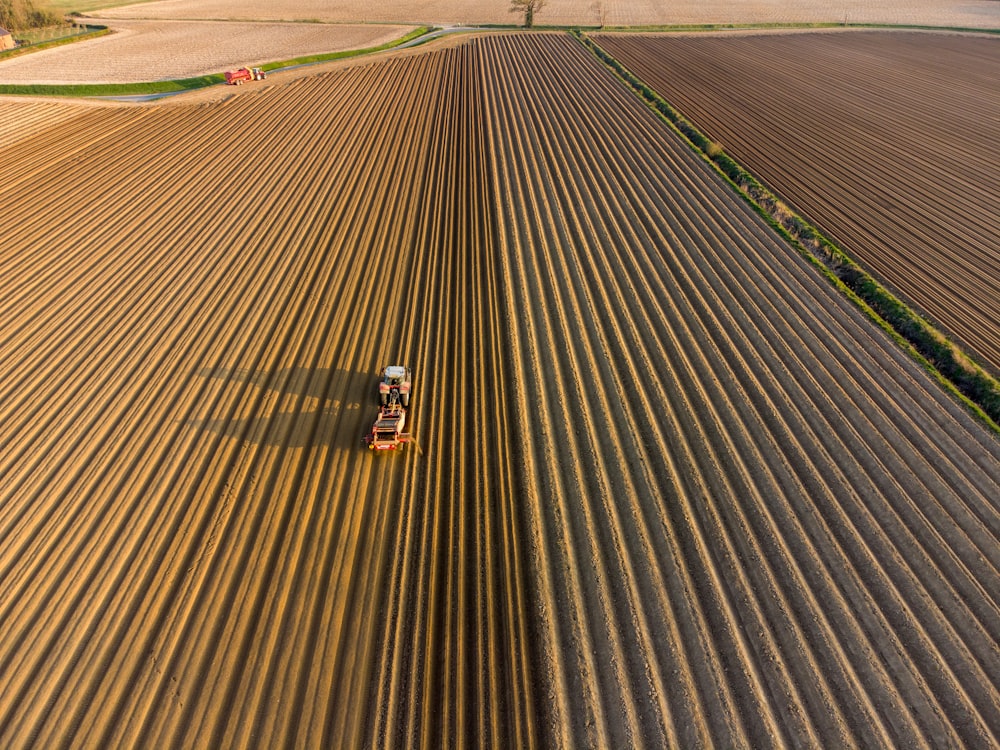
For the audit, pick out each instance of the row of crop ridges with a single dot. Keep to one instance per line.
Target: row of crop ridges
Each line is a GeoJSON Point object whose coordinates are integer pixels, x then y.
{"type": "Point", "coordinates": [941, 357]}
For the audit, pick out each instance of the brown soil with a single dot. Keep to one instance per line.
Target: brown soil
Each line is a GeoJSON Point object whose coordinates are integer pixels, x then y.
{"type": "Point", "coordinates": [951, 13]}
{"type": "Point", "coordinates": [878, 138]}
{"type": "Point", "coordinates": [668, 487]}
{"type": "Point", "coordinates": [140, 51]}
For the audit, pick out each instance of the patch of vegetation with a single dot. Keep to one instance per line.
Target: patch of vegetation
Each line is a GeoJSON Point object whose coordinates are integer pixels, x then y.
{"type": "Point", "coordinates": [941, 357]}
{"type": "Point", "coordinates": [529, 8]}
{"type": "Point", "coordinates": [75, 7]}
{"type": "Point", "coordinates": [53, 36]}
{"type": "Point", "coordinates": [154, 88]}
{"type": "Point", "coordinates": [18, 16]}
{"type": "Point", "coordinates": [114, 89]}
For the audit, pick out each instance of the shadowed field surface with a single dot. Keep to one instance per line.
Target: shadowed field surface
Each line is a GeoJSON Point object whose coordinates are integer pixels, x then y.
{"type": "Point", "coordinates": [889, 142]}
{"type": "Point", "coordinates": [668, 488]}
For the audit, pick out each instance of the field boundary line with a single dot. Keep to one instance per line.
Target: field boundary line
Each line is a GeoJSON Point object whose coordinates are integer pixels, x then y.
{"type": "Point", "coordinates": [777, 26]}
{"type": "Point", "coordinates": [943, 359]}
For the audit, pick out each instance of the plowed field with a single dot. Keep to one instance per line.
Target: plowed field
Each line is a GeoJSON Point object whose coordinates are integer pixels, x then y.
{"type": "Point", "coordinates": [951, 13]}
{"type": "Point", "coordinates": [668, 488]}
{"type": "Point", "coordinates": [165, 50]}
{"type": "Point", "coordinates": [887, 141]}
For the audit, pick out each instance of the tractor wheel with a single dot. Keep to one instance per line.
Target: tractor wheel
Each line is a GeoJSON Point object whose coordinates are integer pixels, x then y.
{"type": "Point", "coordinates": [404, 399]}
{"type": "Point", "coordinates": [383, 398]}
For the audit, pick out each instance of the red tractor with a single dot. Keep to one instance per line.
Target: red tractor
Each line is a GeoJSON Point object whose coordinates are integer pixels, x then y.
{"type": "Point", "coordinates": [394, 379]}
{"type": "Point", "coordinates": [394, 386]}
{"type": "Point", "coordinates": [236, 77]}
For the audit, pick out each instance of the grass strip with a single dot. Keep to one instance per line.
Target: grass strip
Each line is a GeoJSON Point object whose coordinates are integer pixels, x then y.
{"type": "Point", "coordinates": [944, 360]}
{"type": "Point", "coordinates": [91, 32]}
{"type": "Point", "coordinates": [152, 88]}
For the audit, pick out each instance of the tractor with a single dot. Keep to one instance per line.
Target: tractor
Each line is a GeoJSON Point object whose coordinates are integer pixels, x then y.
{"type": "Point", "coordinates": [394, 379]}
{"type": "Point", "coordinates": [237, 77]}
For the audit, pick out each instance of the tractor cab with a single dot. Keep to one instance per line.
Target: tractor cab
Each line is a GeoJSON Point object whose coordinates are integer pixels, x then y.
{"type": "Point", "coordinates": [395, 379]}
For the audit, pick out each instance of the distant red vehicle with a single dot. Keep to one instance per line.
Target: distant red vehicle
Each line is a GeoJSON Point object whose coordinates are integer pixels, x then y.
{"type": "Point", "coordinates": [237, 77]}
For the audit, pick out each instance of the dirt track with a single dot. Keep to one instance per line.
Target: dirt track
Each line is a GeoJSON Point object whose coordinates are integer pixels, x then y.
{"type": "Point", "coordinates": [884, 140]}
{"type": "Point", "coordinates": [670, 488]}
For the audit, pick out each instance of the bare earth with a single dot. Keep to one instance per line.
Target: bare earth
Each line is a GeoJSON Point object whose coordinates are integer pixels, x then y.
{"type": "Point", "coordinates": [173, 39]}
{"type": "Point", "coordinates": [974, 13]}
{"type": "Point", "coordinates": [668, 489]}
{"type": "Point", "coordinates": [22, 117]}
{"type": "Point", "coordinates": [881, 138]}
{"type": "Point", "coordinates": [164, 50]}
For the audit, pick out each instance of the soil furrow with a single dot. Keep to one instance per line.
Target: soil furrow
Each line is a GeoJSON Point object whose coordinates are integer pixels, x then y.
{"type": "Point", "coordinates": [807, 138]}
{"type": "Point", "coordinates": [666, 487]}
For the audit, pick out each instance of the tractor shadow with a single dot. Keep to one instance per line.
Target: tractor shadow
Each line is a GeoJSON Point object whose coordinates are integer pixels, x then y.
{"type": "Point", "coordinates": [298, 407]}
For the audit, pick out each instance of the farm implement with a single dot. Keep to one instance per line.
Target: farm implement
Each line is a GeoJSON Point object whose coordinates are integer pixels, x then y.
{"type": "Point", "coordinates": [394, 396]}
{"type": "Point", "coordinates": [237, 77]}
